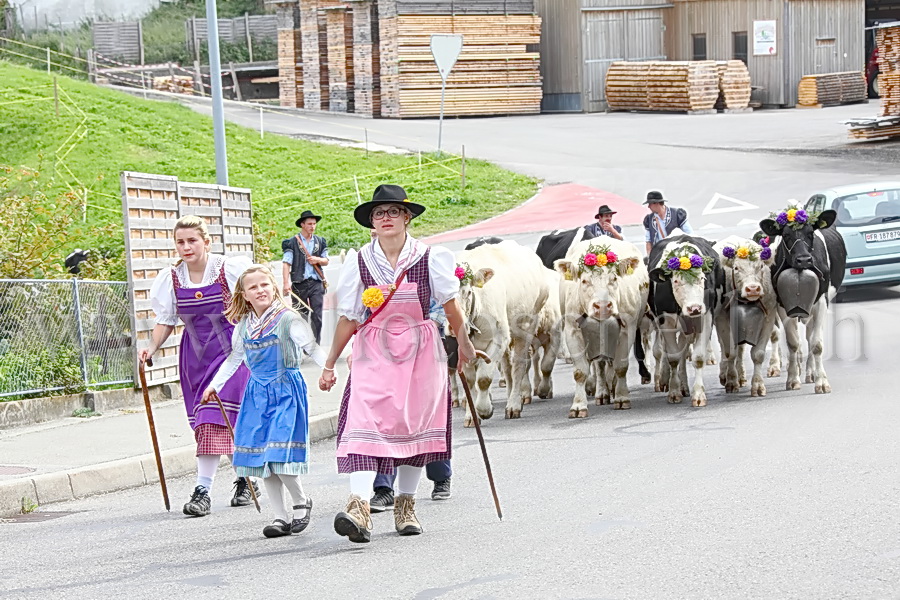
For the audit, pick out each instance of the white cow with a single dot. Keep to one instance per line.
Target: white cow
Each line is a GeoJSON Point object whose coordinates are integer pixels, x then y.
{"type": "Point", "coordinates": [502, 303]}
{"type": "Point", "coordinates": [748, 279]}
{"type": "Point", "coordinates": [547, 342]}
{"type": "Point", "coordinates": [616, 291]}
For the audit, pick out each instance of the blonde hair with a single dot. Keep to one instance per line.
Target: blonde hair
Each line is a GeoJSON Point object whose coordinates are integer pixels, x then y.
{"type": "Point", "coordinates": [191, 222]}
{"type": "Point", "coordinates": [240, 307]}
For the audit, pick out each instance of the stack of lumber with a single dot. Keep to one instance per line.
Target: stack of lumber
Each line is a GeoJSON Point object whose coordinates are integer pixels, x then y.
{"type": "Point", "coordinates": [688, 86]}
{"type": "Point", "coordinates": [888, 41]}
{"type": "Point", "coordinates": [494, 75]}
{"type": "Point", "coordinates": [734, 85]}
{"type": "Point", "coordinates": [832, 89]}
{"type": "Point", "coordinates": [177, 84]}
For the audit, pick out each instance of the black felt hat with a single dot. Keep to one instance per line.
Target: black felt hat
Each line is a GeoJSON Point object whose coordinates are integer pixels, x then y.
{"type": "Point", "coordinates": [604, 210]}
{"type": "Point", "coordinates": [307, 214]}
{"type": "Point", "coordinates": [655, 197]}
{"type": "Point", "coordinates": [385, 194]}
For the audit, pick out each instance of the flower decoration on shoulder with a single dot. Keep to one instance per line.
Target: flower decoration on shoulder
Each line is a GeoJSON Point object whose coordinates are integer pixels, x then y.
{"type": "Point", "coordinates": [372, 297]}
{"type": "Point", "coordinates": [687, 261]}
{"type": "Point", "coordinates": [597, 257]}
{"type": "Point", "coordinates": [793, 217]}
{"type": "Point", "coordinates": [464, 274]}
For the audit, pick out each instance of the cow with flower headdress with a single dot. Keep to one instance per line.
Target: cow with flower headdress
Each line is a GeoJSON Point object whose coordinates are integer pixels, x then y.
{"type": "Point", "coordinates": [604, 294]}
{"type": "Point", "coordinates": [748, 311]}
{"type": "Point", "coordinates": [809, 266]}
{"type": "Point", "coordinates": [687, 283]}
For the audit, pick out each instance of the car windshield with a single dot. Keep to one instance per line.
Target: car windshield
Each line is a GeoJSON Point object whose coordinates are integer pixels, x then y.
{"type": "Point", "coordinates": [867, 208]}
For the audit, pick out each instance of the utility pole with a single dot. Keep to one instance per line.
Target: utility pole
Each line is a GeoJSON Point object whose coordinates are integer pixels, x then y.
{"type": "Point", "coordinates": [215, 76]}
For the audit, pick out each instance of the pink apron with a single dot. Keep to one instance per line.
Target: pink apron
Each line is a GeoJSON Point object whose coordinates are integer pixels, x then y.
{"type": "Point", "coordinates": [397, 406]}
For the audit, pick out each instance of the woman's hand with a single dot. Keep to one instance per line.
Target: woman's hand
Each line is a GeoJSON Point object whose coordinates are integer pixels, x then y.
{"type": "Point", "coordinates": [145, 354]}
{"type": "Point", "coordinates": [207, 395]}
{"type": "Point", "coordinates": [327, 380]}
{"type": "Point", "coordinates": [465, 353]}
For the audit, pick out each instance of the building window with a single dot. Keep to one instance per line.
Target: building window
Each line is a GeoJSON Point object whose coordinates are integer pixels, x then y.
{"type": "Point", "coordinates": [739, 46]}
{"type": "Point", "coordinates": [699, 45]}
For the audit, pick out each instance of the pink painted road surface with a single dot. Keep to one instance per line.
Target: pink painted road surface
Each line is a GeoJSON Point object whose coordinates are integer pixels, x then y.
{"type": "Point", "coordinates": [554, 207]}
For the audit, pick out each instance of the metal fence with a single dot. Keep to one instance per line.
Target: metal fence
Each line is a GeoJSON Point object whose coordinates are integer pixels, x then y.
{"type": "Point", "coordinates": [63, 336]}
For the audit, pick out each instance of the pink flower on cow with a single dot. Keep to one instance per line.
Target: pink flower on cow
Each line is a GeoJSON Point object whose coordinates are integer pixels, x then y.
{"type": "Point", "coordinates": [590, 259]}
{"type": "Point", "coordinates": [766, 254]}
{"type": "Point", "coordinates": [460, 273]}
{"type": "Point", "coordinates": [611, 257]}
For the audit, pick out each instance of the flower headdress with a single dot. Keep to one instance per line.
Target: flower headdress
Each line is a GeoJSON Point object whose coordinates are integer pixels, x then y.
{"type": "Point", "coordinates": [599, 257]}
{"type": "Point", "coordinates": [748, 252]}
{"type": "Point", "coordinates": [464, 273]}
{"type": "Point", "coordinates": [793, 217]}
{"type": "Point", "coordinates": [686, 261]}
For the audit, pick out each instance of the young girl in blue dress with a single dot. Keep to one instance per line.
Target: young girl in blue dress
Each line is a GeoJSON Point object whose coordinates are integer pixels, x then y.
{"type": "Point", "coordinates": [272, 430]}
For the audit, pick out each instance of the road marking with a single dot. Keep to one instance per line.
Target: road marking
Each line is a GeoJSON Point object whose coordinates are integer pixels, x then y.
{"type": "Point", "coordinates": [709, 226]}
{"type": "Point", "coordinates": [748, 222]}
{"type": "Point", "coordinates": [731, 205]}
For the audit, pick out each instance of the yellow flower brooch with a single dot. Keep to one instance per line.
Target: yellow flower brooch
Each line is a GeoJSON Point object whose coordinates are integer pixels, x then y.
{"type": "Point", "coordinates": [373, 297]}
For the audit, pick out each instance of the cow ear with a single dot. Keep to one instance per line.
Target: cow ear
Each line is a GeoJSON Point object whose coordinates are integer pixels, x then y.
{"type": "Point", "coordinates": [565, 267]}
{"type": "Point", "coordinates": [482, 276]}
{"type": "Point", "coordinates": [657, 275]}
{"type": "Point", "coordinates": [825, 220]}
{"type": "Point", "coordinates": [770, 227]}
{"type": "Point", "coordinates": [627, 266]}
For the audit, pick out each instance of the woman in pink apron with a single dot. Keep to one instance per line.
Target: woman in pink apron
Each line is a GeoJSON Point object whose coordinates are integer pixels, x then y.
{"type": "Point", "coordinates": [395, 412]}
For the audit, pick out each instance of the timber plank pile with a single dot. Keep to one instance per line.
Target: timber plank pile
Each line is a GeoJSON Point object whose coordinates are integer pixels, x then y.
{"type": "Point", "coordinates": [734, 85]}
{"type": "Point", "coordinates": [670, 86]}
{"type": "Point", "coordinates": [177, 84]}
{"type": "Point", "coordinates": [887, 124]}
{"type": "Point", "coordinates": [832, 89]}
{"type": "Point", "coordinates": [494, 75]}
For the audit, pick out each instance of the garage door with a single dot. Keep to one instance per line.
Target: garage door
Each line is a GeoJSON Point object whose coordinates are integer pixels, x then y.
{"type": "Point", "coordinates": [611, 35]}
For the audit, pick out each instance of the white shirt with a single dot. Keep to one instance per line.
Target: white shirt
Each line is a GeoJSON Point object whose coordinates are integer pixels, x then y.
{"type": "Point", "coordinates": [162, 292]}
{"type": "Point", "coordinates": [441, 277]}
{"type": "Point", "coordinates": [301, 335]}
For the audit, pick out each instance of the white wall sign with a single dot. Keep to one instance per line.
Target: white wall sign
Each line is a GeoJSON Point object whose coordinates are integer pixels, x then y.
{"type": "Point", "coordinates": [763, 38]}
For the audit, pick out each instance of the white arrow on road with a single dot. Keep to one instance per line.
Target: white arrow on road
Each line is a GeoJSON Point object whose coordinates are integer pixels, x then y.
{"type": "Point", "coordinates": [731, 205]}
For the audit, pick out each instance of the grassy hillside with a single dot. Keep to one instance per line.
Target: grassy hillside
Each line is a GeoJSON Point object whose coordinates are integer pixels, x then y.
{"type": "Point", "coordinates": [124, 133]}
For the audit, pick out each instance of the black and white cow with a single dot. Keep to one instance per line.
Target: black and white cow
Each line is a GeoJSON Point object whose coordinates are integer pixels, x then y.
{"type": "Point", "coordinates": [683, 305]}
{"type": "Point", "coordinates": [555, 245]}
{"type": "Point", "coordinates": [813, 246]}
{"type": "Point", "coordinates": [482, 241]}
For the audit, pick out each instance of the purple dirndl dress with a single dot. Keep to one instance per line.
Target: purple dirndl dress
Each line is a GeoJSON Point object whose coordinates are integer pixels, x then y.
{"type": "Point", "coordinates": [205, 344]}
{"type": "Point", "coordinates": [418, 274]}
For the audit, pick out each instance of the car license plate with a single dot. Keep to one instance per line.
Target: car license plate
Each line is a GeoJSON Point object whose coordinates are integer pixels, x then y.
{"type": "Point", "coordinates": [883, 236]}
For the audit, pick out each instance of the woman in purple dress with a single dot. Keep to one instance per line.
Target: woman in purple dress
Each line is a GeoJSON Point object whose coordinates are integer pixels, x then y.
{"type": "Point", "coordinates": [197, 291]}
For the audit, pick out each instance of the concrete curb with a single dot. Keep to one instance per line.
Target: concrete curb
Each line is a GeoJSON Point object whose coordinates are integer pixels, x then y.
{"type": "Point", "coordinates": [112, 476]}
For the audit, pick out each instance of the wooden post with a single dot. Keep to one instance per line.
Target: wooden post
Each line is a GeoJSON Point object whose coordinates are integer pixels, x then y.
{"type": "Point", "coordinates": [91, 66]}
{"type": "Point", "coordinates": [172, 75]}
{"type": "Point", "coordinates": [141, 40]}
{"type": "Point", "coordinates": [367, 143]}
{"type": "Point", "coordinates": [55, 95]}
{"type": "Point", "coordinates": [261, 134]}
{"type": "Point", "coordinates": [198, 77]}
{"type": "Point", "coordinates": [48, 60]}
{"type": "Point", "coordinates": [196, 42]}
{"type": "Point", "coordinates": [462, 171]}
{"type": "Point", "coordinates": [144, 84]}
{"type": "Point", "coordinates": [249, 38]}
{"type": "Point", "coordinates": [234, 81]}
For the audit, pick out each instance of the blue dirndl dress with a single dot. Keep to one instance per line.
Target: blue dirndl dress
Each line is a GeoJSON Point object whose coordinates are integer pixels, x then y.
{"type": "Point", "coordinates": [272, 431]}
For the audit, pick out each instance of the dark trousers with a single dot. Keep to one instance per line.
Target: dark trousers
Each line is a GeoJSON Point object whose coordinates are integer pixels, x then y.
{"type": "Point", "coordinates": [438, 470]}
{"type": "Point", "coordinates": [311, 291]}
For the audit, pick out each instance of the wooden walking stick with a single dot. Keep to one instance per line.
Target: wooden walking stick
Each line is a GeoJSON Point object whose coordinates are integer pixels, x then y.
{"type": "Point", "coordinates": [215, 397]}
{"type": "Point", "coordinates": [475, 419]}
{"type": "Point", "coordinates": [159, 464]}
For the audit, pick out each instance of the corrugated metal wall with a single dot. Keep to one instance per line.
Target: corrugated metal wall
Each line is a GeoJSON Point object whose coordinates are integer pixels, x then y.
{"type": "Point", "coordinates": [561, 58]}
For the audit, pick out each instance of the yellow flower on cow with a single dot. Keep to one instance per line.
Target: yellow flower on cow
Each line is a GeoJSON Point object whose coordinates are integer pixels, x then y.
{"type": "Point", "coordinates": [602, 259]}
{"type": "Point", "coordinates": [791, 214]}
{"type": "Point", "coordinates": [685, 263]}
{"type": "Point", "coordinates": [373, 297]}
{"type": "Point", "coordinates": [743, 252]}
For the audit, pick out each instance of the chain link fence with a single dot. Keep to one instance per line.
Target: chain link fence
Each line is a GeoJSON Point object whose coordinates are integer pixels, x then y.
{"type": "Point", "coordinates": [63, 336]}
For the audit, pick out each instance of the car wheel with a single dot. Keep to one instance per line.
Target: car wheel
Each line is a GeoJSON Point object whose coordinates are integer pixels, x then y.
{"type": "Point", "coordinates": [873, 87]}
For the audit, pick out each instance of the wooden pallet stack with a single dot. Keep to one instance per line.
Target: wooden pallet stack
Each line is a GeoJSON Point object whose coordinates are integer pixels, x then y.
{"type": "Point", "coordinates": [671, 86]}
{"type": "Point", "coordinates": [888, 40]}
{"type": "Point", "coordinates": [734, 85]}
{"type": "Point", "coordinates": [177, 84]}
{"type": "Point", "coordinates": [831, 89]}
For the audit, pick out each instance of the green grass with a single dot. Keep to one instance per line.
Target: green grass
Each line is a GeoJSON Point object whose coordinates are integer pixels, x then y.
{"type": "Point", "coordinates": [286, 176]}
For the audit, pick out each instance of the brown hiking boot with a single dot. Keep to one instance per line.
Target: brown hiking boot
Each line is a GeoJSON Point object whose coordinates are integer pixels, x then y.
{"type": "Point", "coordinates": [405, 515]}
{"type": "Point", "coordinates": [355, 523]}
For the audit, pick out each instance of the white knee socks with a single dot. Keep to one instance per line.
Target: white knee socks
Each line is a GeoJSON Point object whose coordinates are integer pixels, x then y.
{"type": "Point", "coordinates": [361, 483]}
{"type": "Point", "coordinates": [206, 469]}
{"type": "Point", "coordinates": [275, 490]}
{"type": "Point", "coordinates": [408, 479]}
{"type": "Point", "coordinates": [294, 488]}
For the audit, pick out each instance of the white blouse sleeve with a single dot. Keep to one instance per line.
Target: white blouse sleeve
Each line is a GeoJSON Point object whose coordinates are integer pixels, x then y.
{"type": "Point", "coordinates": [442, 275]}
{"type": "Point", "coordinates": [162, 298]}
{"type": "Point", "coordinates": [234, 267]}
{"type": "Point", "coordinates": [303, 337]}
{"type": "Point", "coordinates": [349, 290]}
{"type": "Point", "coordinates": [231, 364]}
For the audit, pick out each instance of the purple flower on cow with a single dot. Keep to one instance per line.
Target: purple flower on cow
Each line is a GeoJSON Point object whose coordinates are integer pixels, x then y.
{"type": "Point", "coordinates": [782, 218]}
{"type": "Point", "coordinates": [801, 216]}
{"type": "Point", "coordinates": [696, 260]}
{"type": "Point", "coordinates": [764, 242]}
{"type": "Point", "coordinates": [766, 254]}
{"type": "Point", "coordinates": [728, 252]}
{"type": "Point", "coordinates": [674, 263]}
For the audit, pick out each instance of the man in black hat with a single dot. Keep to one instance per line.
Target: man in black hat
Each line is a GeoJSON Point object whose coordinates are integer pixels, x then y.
{"type": "Point", "coordinates": [604, 224]}
{"type": "Point", "coordinates": [662, 220]}
{"type": "Point", "coordinates": [305, 255]}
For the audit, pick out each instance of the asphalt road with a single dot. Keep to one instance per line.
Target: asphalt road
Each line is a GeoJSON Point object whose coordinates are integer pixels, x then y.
{"type": "Point", "coordinates": [789, 496]}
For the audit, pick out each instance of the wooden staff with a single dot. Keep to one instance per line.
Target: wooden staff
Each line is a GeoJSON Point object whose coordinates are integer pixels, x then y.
{"type": "Point", "coordinates": [475, 419]}
{"type": "Point", "coordinates": [215, 397]}
{"type": "Point", "coordinates": [159, 464]}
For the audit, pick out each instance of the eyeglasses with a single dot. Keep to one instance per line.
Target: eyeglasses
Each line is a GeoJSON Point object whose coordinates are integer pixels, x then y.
{"type": "Point", "coordinates": [392, 212]}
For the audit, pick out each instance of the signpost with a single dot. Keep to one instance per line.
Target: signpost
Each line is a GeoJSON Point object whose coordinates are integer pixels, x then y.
{"type": "Point", "coordinates": [445, 48]}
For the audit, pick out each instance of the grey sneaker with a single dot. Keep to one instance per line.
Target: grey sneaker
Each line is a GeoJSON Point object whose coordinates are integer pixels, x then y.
{"type": "Point", "coordinates": [242, 496]}
{"type": "Point", "coordinates": [382, 500]}
{"type": "Point", "coordinates": [199, 503]}
{"type": "Point", "coordinates": [441, 490]}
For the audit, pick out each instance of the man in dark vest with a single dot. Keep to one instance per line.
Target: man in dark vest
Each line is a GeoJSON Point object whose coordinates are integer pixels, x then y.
{"type": "Point", "coordinates": [302, 268]}
{"type": "Point", "coordinates": [604, 224]}
{"type": "Point", "coordinates": [662, 220]}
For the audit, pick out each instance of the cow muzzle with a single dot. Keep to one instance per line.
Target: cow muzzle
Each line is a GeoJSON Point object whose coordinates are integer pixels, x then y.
{"type": "Point", "coordinates": [752, 292]}
{"type": "Point", "coordinates": [602, 310]}
{"type": "Point", "coordinates": [693, 310]}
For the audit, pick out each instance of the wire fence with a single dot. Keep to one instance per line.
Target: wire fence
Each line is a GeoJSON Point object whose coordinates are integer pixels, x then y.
{"type": "Point", "coordinates": [63, 336]}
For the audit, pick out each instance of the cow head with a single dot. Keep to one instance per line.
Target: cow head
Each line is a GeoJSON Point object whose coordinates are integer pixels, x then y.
{"type": "Point", "coordinates": [749, 263]}
{"type": "Point", "coordinates": [598, 285]}
{"type": "Point", "coordinates": [797, 236]}
{"type": "Point", "coordinates": [688, 279]}
{"type": "Point", "coordinates": [468, 283]}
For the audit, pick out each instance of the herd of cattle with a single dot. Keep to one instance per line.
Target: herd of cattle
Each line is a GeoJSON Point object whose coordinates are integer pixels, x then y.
{"type": "Point", "coordinates": [597, 301]}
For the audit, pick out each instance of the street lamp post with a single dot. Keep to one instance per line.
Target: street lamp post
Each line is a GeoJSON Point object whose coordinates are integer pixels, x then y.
{"type": "Point", "coordinates": [215, 76]}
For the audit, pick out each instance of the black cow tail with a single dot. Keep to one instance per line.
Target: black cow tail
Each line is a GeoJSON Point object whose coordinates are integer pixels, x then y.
{"type": "Point", "coordinates": [639, 356]}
